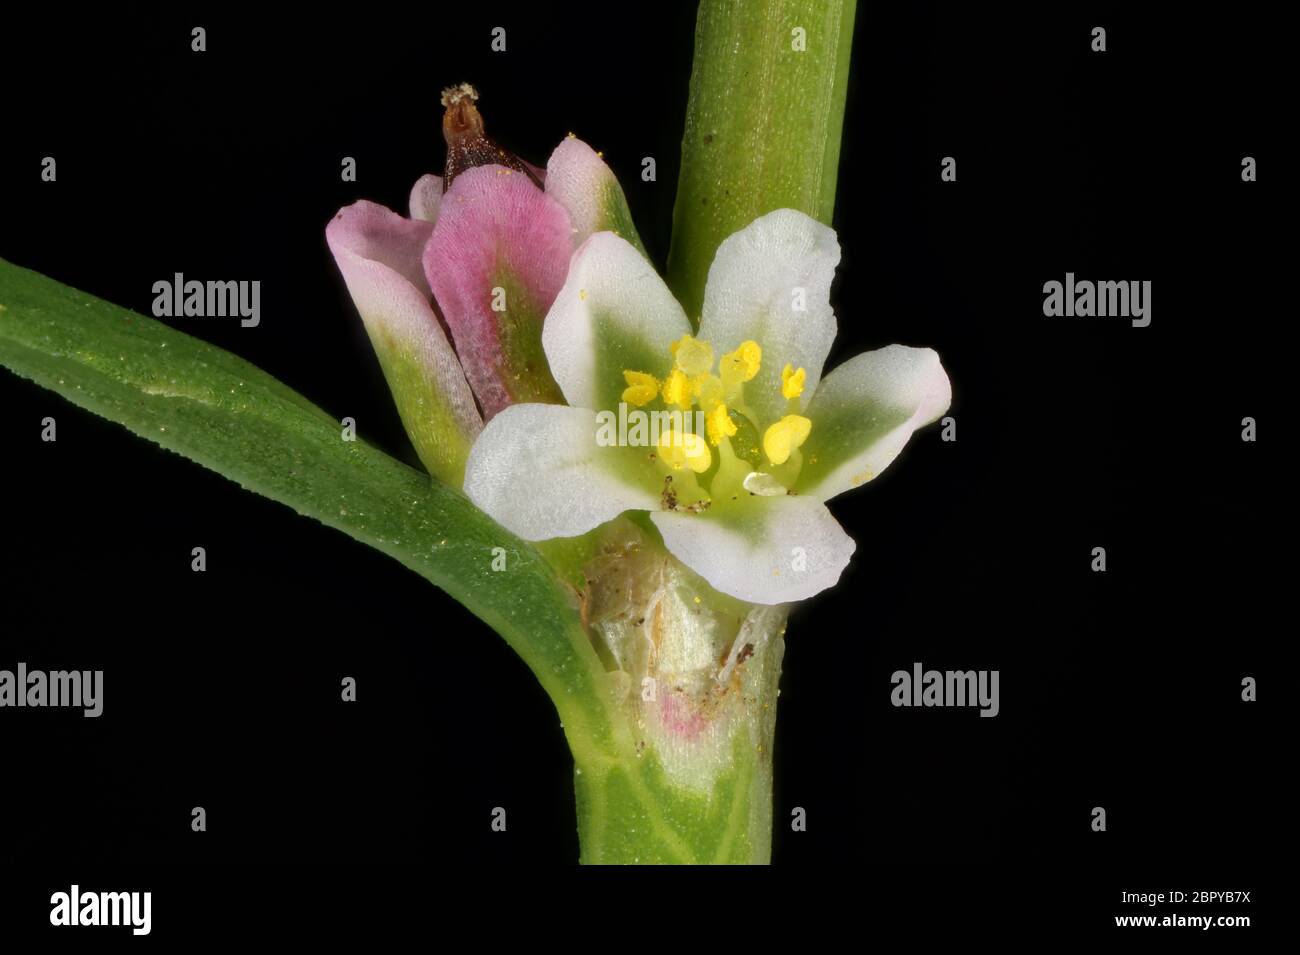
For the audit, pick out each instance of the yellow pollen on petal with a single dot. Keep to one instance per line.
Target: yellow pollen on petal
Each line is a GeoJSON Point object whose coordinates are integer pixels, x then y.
{"type": "Point", "coordinates": [641, 388]}
{"type": "Point", "coordinates": [719, 424]}
{"type": "Point", "coordinates": [677, 389]}
{"type": "Point", "coordinates": [708, 391]}
{"type": "Point", "coordinates": [682, 449]}
{"type": "Point", "coordinates": [742, 364]}
{"type": "Point", "coordinates": [783, 437]}
{"type": "Point", "coordinates": [693, 356]}
{"type": "Point", "coordinates": [792, 381]}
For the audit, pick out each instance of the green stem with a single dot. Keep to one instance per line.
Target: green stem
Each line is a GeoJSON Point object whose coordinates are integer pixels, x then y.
{"type": "Point", "coordinates": [763, 124]}
{"type": "Point", "coordinates": [692, 781]}
{"type": "Point", "coordinates": [762, 133]}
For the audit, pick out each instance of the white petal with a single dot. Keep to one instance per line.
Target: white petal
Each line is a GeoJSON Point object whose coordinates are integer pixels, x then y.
{"type": "Point", "coordinates": [613, 313]}
{"type": "Point", "coordinates": [580, 181]}
{"type": "Point", "coordinates": [426, 198]}
{"type": "Point", "coordinates": [865, 411]}
{"type": "Point", "coordinates": [771, 550]}
{"type": "Point", "coordinates": [771, 282]}
{"type": "Point", "coordinates": [538, 471]}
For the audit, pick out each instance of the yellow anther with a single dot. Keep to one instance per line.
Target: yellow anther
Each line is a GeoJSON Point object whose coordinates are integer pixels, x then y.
{"type": "Point", "coordinates": [683, 449]}
{"type": "Point", "coordinates": [792, 381]}
{"type": "Point", "coordinates": [783, 437]}
{"type": "Point", "coordinates": [708, 391]}
{"type": "Point", "coordinates": [677, 389]}
{"type": "Point", "coordinates": [641, 388]}
{"type": "Point", "coordinates": [742, 364]}
{"type": "Point", "coordinates": [693, 356]}
{"type": "Point", "coordinates": [719, 424]}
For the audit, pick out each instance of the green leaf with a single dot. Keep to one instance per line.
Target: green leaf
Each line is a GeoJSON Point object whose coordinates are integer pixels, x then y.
{"type": "Point", "coordinates": [763, 125]}
{"type": "Point", "coordinates": [218, 410]}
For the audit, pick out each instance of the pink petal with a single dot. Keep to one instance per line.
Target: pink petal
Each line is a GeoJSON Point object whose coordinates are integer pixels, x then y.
{"type": "Point", "coordinates": [379, 254]}
{"type": "Point", "coordinates": [497, 230]}
{"type": "Point", "coordinates": [537, 171]}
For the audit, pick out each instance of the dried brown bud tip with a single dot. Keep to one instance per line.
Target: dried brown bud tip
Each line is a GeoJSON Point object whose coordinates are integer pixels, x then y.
{"type": "Point", "coordinates": [467, 145]}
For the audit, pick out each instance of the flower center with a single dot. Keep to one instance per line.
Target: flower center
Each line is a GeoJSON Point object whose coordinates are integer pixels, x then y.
{"type": "Point", "coordinates": [772, 464]}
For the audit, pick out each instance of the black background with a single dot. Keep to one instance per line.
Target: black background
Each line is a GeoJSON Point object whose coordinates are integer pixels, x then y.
{"type": "Point", "coordinates": [1119, 690]}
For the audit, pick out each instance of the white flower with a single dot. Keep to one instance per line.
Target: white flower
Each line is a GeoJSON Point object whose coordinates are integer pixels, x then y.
{"type": "Point", "coordinates": [741, 503]}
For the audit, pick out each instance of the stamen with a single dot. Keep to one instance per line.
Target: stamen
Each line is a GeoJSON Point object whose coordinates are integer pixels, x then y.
{"type": "Point", "coordinates": [693, 356]}
{"type": "Point", "coordinates": [719, 424]}
{"type": "Point", "coordinates": [677, 389]}
{"type": "Point", "coordinates": [682, 449]}
{"type": "Point", "coordinates": [708, 392]}
{"type": "Point", "coordinates": [641, 388]}
{"type": "Point", "coordinates": [792, 381]}
{"type": "Point", "coordinates": [780, 439]}
{"type": "Point", "coordinates": [742, 364]}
